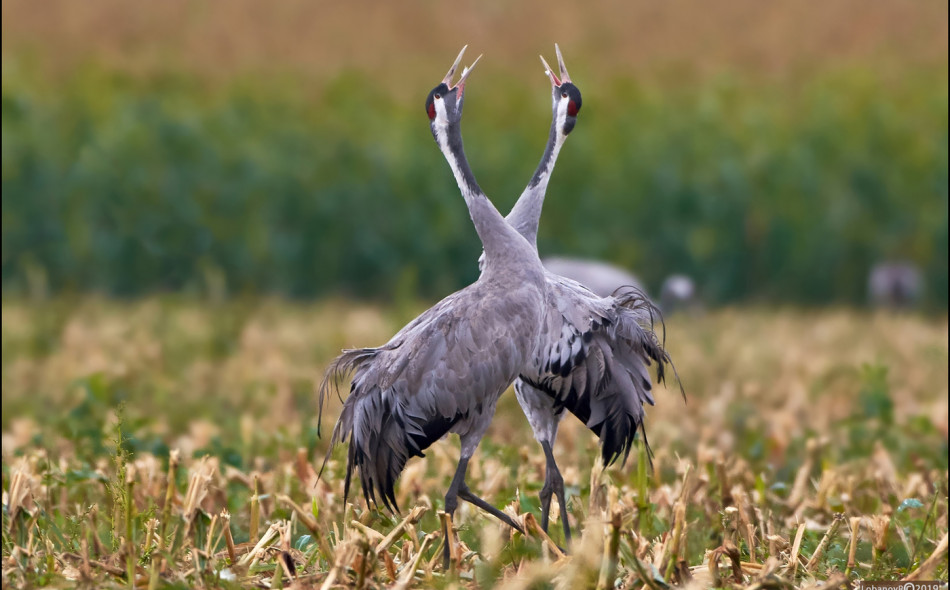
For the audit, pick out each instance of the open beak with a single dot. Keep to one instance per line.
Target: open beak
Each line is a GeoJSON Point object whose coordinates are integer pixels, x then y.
{"type": "Point", "coordinates": [465, 72]}
{"type": "Point", "coordinates": [565, 77]}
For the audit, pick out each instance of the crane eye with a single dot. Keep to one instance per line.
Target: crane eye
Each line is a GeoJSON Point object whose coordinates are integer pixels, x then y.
{"type": "Point", "coordinates": [563, 95]}
{"type": "Point", "coordinates": [438, 96]}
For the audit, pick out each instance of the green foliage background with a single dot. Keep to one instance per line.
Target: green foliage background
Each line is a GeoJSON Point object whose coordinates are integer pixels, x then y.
{"type": "Point", "coordinates": [761, 191]}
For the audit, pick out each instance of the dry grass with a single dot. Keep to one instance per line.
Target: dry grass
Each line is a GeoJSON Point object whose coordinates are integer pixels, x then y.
{"type": "Point", "coordinates": [770, 476]}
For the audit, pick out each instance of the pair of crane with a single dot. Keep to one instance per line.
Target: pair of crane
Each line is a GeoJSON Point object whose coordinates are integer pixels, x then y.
{"type": "Point", "coordinates": [562, 346]}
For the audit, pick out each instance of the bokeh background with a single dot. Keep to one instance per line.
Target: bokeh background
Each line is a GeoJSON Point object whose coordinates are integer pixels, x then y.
{"type": "Point", "coordinates": [774, 152]}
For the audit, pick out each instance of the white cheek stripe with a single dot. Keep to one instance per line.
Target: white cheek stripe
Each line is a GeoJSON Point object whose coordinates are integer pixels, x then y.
{"type": "Point", "coordinates": [562, 115]}
{"type": "Point", "coordinates": [440, 125]}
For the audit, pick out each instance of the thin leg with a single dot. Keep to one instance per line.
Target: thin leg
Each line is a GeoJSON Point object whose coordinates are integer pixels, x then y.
{"type": "Point", "coordinates": [451, 503]}
{"type": "Point", "coordinates": [467, 495]}
{"type": "Point", "coordinates": [562, 501]}
{"type": "Point", "coordinates": [553, 484]}
{"type": "Point", "coordinates": [546, 492]}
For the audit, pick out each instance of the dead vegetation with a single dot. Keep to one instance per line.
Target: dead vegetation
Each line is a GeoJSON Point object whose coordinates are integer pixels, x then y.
{"type": "Point", "coordinates": [812, 452]}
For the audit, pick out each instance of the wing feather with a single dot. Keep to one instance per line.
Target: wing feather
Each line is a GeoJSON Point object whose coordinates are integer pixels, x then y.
{"type": "Point", "coordinates": [592, 358]}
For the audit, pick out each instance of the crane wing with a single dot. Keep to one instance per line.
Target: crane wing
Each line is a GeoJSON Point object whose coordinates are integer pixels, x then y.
{"type": "Point", "coordinates": [442, 372]}
{"type": "Point", "coordinates": [593, 358]}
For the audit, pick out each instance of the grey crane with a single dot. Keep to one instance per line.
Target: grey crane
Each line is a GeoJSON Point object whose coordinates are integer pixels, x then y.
{"type": "Point", "coordinates": [600, 277]}
{"type": "Point", "coordinates": [895, 284]}
{"type": "Point", "coordinates": [678, 293]}
{"type": "Point", "coordinates": [445, 370]}
{"type": "Point", "coordinates": [592, 354]}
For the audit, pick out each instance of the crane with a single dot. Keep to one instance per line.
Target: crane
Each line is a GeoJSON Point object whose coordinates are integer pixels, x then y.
{"type": "Point", "coordinates": [895, 284]}
{"type": "Point", "coordinates": [445, 370]}
{"type": "Point", "coordinates": [601, 278]}
{"type": "Point", "coordinates": [678, 293]}
{"type": "Point", "coordinates": [592, 354]}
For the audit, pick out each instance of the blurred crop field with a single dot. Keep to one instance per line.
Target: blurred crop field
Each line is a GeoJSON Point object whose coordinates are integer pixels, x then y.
{"type": "Point", "coordinates": [772, 152]}
{"type": "Point", "coordinates": [812, 445]}
{"type": "Point", "coordinates": [202, 204]}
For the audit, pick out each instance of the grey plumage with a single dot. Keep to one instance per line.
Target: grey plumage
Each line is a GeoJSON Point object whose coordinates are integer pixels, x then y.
{"type": "Point", "coordinates": [592, 354]}
{"type": "Point", "coordinates": [445, 370]}
{"type": "Point", "coordinates": [895, 285]}
{"type": "Point", "coordinates": [592, 359]}
{"type": "Point", "coordinates": [678, 293]}
{"type": "Point", "coordinates": [442, 373]}
{"type": "Point", "coordinates": [601, 278]}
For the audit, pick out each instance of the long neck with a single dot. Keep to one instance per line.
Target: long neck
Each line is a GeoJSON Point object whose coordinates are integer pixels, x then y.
{"type": "Point", "coordinates": [526, 214]}
{"type": "Point", "coordinates": [501, 243]}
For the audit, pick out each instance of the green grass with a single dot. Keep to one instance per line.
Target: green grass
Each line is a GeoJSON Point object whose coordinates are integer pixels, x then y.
{"type": "Point", "coordinates": [793, 419]}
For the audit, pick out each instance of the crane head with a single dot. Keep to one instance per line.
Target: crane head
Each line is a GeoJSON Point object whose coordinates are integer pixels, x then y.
{"type": "Point", "coordinates": [444, 103]}
{"type": "Point", "coordinates": [565, 95]}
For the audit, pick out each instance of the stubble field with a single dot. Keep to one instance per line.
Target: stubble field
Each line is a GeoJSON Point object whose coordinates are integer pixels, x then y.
{"type": "Point", "coordinates": [812, 448]}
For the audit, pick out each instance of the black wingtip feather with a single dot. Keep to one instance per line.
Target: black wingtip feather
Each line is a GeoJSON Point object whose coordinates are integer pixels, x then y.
{"type": "Point", "coordinates": [617, 436]}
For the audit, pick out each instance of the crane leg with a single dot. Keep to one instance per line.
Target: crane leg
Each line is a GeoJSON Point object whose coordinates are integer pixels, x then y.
{"type": "Point", "coordinates": [553, 485]}
{"type": "Point", "coordinates": [451, 503]}
{"type": "Point", "coordinates": [467, 495]}
{"type": "Point", "coordinates": [546, 492]}
{"type": "Point", "coordinates": [459, 489]}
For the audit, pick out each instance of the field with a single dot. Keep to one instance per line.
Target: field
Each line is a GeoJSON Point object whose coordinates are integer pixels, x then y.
{"type": "Point", "coordinates": [173, 441]}
{"type": "Point", "coordinates": [202, 206]}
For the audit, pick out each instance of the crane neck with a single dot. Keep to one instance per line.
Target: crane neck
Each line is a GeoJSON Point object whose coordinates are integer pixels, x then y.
{"type": "Point", "coordinates": [503, 245]}
{"type": "Point", "coordinates": [525, 216]}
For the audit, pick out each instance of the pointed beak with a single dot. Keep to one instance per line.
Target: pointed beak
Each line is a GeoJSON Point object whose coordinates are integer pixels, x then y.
{"type": "Point", "coordinates": [565, 77]}
{"type": "Point", "coordinates": [465, 74]}
{"type": "Point", "coordinates": [550, 72]}
{"type": "Point", "coordinates": [447, 80]}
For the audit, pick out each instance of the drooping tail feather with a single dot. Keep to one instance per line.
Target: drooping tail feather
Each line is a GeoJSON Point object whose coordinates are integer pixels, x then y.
{"type": "Point", "coordinates": [380, 439]}
{"type": "Point", "coordinates": [646, 314]}
{"type": "Point", "coordinates": [349, 361]}
{"type": "Point", "coordinates": [347, 364]}
{"type": "Point", "coordinates": [622, 413]}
